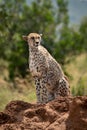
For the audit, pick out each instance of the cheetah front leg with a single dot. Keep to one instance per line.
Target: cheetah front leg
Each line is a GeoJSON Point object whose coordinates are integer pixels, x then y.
{"type": "Point", "coordinates": [46, 95]}
{"type": "Point", "coordinates": [38, 89]}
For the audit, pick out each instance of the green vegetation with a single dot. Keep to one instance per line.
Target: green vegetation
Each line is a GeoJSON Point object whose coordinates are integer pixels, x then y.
{"type": "Point", "coordinates": [66, 43]}
{"type": "Point", "coordinates": [77, 70]}
{"type": "Point", "coordinates": [7, 94]}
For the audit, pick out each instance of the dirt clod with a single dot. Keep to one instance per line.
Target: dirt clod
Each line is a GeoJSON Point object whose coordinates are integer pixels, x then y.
{"type": "Point", "coordinates": [64, 113]}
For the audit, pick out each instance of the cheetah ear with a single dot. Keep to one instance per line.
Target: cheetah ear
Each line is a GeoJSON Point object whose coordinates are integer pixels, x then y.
{"type": "Point", "coordinates": [41, 35]}
{"type": "Point", "coordinates": [25, 37]}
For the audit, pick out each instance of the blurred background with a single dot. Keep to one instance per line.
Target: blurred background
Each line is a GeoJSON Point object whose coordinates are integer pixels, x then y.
{"type": "Point", "coordinates": [63, 24]}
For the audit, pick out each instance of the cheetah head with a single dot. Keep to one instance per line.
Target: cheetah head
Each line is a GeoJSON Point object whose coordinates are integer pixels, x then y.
{"type": "Point", "coordinates": [33, 39]}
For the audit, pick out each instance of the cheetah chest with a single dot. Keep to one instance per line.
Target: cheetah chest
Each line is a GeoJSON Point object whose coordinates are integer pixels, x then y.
{"type": "Point", "coordinates": [34, 66]}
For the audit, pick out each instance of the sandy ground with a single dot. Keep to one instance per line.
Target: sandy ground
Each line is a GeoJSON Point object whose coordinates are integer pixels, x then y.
{"type": "Point", "coordinates": [64, 113]}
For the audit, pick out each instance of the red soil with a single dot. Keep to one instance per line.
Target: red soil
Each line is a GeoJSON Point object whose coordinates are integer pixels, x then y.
{"type": "Point", "coordinates": [60, 114]}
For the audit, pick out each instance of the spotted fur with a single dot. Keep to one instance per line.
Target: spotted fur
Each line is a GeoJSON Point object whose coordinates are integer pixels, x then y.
{"type": "Point", "coordinates": [49, 78]}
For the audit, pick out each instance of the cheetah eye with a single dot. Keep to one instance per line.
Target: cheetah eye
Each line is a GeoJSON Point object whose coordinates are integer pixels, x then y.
{"type": "Point", "coordinates": [38, 37]}
{"type": "Point", "coordinates": [32, 38]}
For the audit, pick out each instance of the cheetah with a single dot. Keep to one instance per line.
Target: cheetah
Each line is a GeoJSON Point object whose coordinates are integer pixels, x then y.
{"type": "Point", "coordinates": [48, 75]}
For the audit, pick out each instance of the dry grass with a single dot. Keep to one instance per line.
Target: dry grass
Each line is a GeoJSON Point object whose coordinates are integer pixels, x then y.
{"type": "Point", "coordinates": [77, 69]}
{"type": "Point", "coordinates": [7, 94]}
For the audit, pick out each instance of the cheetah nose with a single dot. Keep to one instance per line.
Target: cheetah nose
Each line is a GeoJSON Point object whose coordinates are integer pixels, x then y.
{"type": "Point", "coordinates": [37, 42]}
